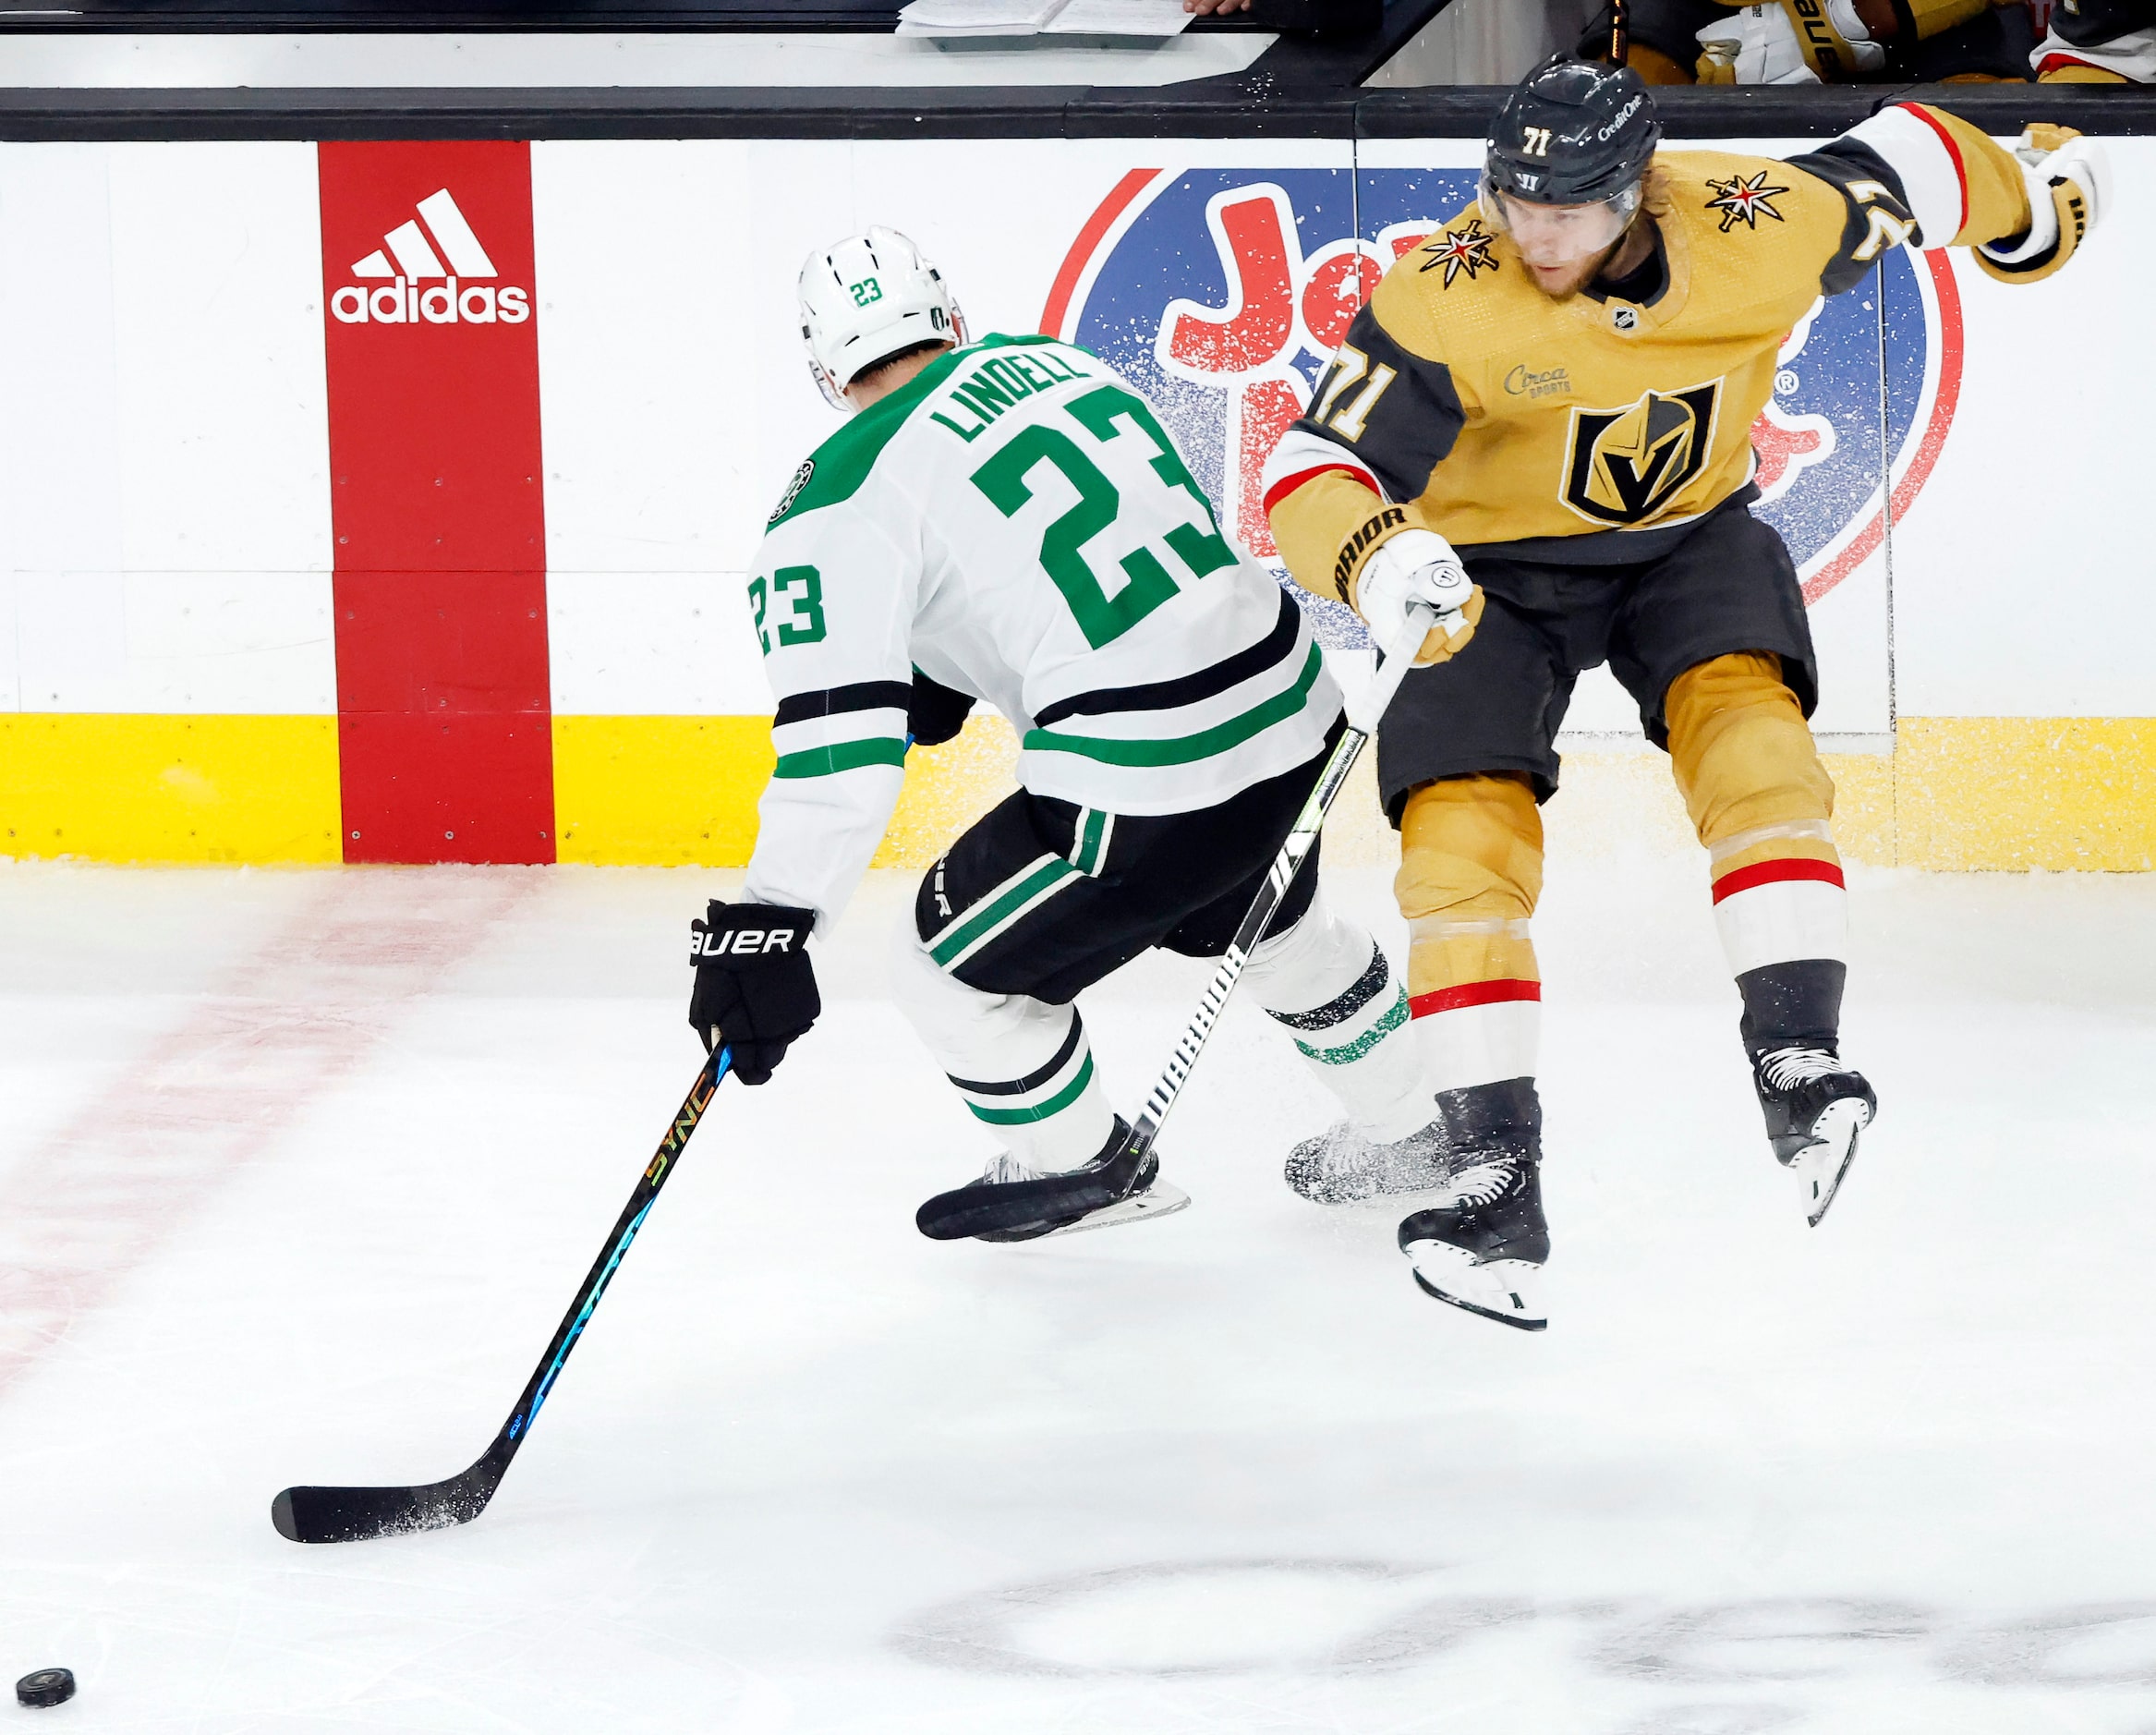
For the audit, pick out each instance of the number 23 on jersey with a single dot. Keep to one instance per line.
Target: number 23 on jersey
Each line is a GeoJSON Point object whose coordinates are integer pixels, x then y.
{"type": "Point", "coordinates": [1106, 414]}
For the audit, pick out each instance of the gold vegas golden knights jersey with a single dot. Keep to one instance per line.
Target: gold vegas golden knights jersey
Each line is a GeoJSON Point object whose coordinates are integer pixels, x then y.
{"type": "Point", "coordinates": [1591, 431]}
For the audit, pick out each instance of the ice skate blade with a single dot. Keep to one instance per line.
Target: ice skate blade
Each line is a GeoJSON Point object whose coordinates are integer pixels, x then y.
{"type": "Point", "coordinates": [1157, 1200]}
{"type": "Point", "coordinates": [1509, 1291]}
{"type": "Point", "coordinates": [1821, 1165]}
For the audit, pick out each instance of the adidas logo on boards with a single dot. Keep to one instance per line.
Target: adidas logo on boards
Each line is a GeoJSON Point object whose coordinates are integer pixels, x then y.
{"type": "Point", "coordinates": [455, 299]}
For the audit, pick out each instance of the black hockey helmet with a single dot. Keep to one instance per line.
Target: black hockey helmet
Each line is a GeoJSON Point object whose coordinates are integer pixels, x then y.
{"type": "Point", "coordinates": [1572, 132]}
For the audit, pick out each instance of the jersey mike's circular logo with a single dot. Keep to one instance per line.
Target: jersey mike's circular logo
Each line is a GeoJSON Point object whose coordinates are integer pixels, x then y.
{"type": "Point", "coordinates": [1221, 293]}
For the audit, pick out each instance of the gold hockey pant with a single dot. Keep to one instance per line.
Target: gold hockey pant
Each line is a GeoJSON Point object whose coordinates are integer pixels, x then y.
{"type": "Point", "coordinates": [1760, 800]}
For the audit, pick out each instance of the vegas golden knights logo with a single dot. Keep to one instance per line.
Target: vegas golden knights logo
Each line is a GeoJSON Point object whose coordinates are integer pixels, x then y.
{"type": "Point", "coordinates": [1626, 465]}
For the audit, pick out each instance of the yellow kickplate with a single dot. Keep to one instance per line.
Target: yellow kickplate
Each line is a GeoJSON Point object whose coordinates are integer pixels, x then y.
{"type": "Point", "coordinates": [2059, 792]}
{"type": "Point", "coordinates": [660, 791]}
{"type": "Point", "coordinates": [156, 788]}
{"type": "Point", "coordinates": [685, 790]}
{"type": "Point", "coordinates": [674, 791]}
{"type": "Point", "coordinates": [1960, 793]}
{"type": "Point", "coordinates": [947, 789]}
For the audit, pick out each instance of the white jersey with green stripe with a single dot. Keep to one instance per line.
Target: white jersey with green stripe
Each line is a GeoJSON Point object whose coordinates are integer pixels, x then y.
{"type": "Point", "coordinates": [1015, 524]}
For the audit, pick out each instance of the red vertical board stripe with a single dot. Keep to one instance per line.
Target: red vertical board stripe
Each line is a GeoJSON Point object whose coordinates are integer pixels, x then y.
{"type": "Point", "coordinates": [443, 726]}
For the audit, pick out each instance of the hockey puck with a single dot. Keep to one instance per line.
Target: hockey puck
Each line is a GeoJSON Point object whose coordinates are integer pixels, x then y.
{"type": "Point", "coordinates": [45, 1686]}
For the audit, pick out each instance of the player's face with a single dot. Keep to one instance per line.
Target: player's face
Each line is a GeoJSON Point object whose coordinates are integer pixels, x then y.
{"type": "Point", "coordinates": [1562, 246]}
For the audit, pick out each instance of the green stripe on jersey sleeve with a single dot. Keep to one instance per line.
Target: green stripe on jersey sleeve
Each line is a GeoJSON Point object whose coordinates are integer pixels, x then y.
{"type": "Point", "coordinates": [1183, 749]}
{"type": "Point", "coordinates": [841, 756]}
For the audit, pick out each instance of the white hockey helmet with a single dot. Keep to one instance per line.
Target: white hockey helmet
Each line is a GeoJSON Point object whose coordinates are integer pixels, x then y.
{"type": "Point", "coordinates": [866, 297]}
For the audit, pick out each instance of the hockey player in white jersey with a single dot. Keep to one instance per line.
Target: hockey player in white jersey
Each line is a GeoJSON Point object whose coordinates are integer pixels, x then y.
{"type": "Point", "coordinates": [1007, 520]}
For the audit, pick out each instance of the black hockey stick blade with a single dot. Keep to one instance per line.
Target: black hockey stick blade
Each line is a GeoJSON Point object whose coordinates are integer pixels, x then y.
{"type": "Point", "coordinates": [311, 1515]}
{"type": "Point", "coordinates": [325, 1514]}
{"type": "Point", "coordinates": [1050, 1200]}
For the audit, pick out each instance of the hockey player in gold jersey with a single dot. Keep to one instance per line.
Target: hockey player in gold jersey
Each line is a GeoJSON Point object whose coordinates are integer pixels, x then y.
{"type": "Point", "coordinates": [1823, 41]}
{"type": "Point", "coordinates": [1603, 516]}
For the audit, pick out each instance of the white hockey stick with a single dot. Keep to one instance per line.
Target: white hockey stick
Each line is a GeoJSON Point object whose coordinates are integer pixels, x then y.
{"type": "Point", "coordinates": [1365, 710]}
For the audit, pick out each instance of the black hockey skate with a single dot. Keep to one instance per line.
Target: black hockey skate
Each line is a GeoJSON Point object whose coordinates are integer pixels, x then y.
{"type": "Point", "coordinates": [1485, 1248]}
{"type": "Point", "coordinates": [1011, 1202]}
{"type": "Point", "coordinates": [1815, 1107]}
{"type": "Point", "coordinates": [1343, 1166]}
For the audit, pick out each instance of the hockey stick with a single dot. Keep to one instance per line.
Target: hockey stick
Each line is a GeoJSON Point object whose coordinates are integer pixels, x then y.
{"type": "Point", "coordinates": [1364, 716]}
{"type": "Point", "coordinates": [311, 1515]}
{"type": "Point", "coordinates": [989, 1212]}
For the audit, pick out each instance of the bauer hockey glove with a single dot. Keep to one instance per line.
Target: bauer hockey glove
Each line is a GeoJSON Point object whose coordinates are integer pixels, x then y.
{"type": "Point", "coordinates": [756, 988]}
{"type": "Point", "coordinates": [1418, 566]}
{"type": "Point", "coordinates": [2070, 185]}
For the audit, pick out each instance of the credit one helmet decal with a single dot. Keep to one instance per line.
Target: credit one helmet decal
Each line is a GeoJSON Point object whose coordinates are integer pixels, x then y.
{"type": "Point", "coordinates": [1221, 292]}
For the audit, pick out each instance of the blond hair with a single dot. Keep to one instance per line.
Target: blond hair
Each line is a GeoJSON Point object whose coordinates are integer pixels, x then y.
{"type": "Point", "coordinates": [1658, 192]}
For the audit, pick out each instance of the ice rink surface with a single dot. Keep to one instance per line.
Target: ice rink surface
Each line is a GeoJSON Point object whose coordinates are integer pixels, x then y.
{"type": "Point", "coordinates": [298, 1170]}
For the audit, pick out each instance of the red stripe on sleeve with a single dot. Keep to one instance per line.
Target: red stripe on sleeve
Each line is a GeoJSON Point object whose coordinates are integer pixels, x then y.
{"type": "Point", "coordinates": [1472, 994]}
{"type": "Point", "coordinates": [1287, 484]}
{"type": "Point", "coordinates": [1767, 873]}
{"type": "Point", "coordinates": [1960, 168]}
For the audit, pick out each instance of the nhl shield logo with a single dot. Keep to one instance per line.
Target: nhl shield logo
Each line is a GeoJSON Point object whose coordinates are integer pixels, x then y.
{"type": "Point", "coordinates": [1222, 293]}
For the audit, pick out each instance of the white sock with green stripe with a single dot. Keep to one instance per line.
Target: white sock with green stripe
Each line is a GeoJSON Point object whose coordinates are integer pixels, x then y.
{"type": "Point", "coordinates": [1023, 1067]}
{"type": "Point", "coordinates": [1346, 1009]}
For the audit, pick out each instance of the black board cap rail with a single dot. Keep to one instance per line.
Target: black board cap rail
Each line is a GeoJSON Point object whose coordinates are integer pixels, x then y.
{"type": "Point", "coordinates": [1202, 110]}
{"type": "Point", "coordinates": [1319, 17]}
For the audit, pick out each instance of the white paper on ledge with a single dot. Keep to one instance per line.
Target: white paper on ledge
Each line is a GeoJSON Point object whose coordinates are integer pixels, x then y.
{"type": "Point", "coordinates": [1120, 18]}
{"type": "Point", "coordinates": [977, 17]}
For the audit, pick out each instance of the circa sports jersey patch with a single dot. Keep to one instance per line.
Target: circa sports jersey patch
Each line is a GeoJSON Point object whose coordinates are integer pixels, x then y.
{"type": "Point", "coordinates": [1745, 199]}
{"type": "Point", "coordinates": [1459, 251]}
{"type": "Point", "coordinates": [793, 490]}
{"type": "Point", "coordinates": [1624, 466]}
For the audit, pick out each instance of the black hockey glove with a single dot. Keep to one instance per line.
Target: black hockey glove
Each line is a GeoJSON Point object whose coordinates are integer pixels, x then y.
{"type": "Point", "coordinates": [756, 988]}
{"type": "Point", "coordinates": [935, 713]}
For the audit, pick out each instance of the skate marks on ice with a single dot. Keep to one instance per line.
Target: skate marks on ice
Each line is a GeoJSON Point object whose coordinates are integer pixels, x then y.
{"type": "Point", "coordinates": [279, 1028]}
{"type": "Point", "coordinates": [1670, 1668]}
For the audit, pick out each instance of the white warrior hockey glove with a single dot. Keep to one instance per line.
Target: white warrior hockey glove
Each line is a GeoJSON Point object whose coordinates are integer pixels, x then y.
{"type": "Point", "coordinates": [1418, 568]}
{"type": "Point", "coordinates": [2069, 185]}
{"type": "Point", "coordinates": [1762, 44]}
